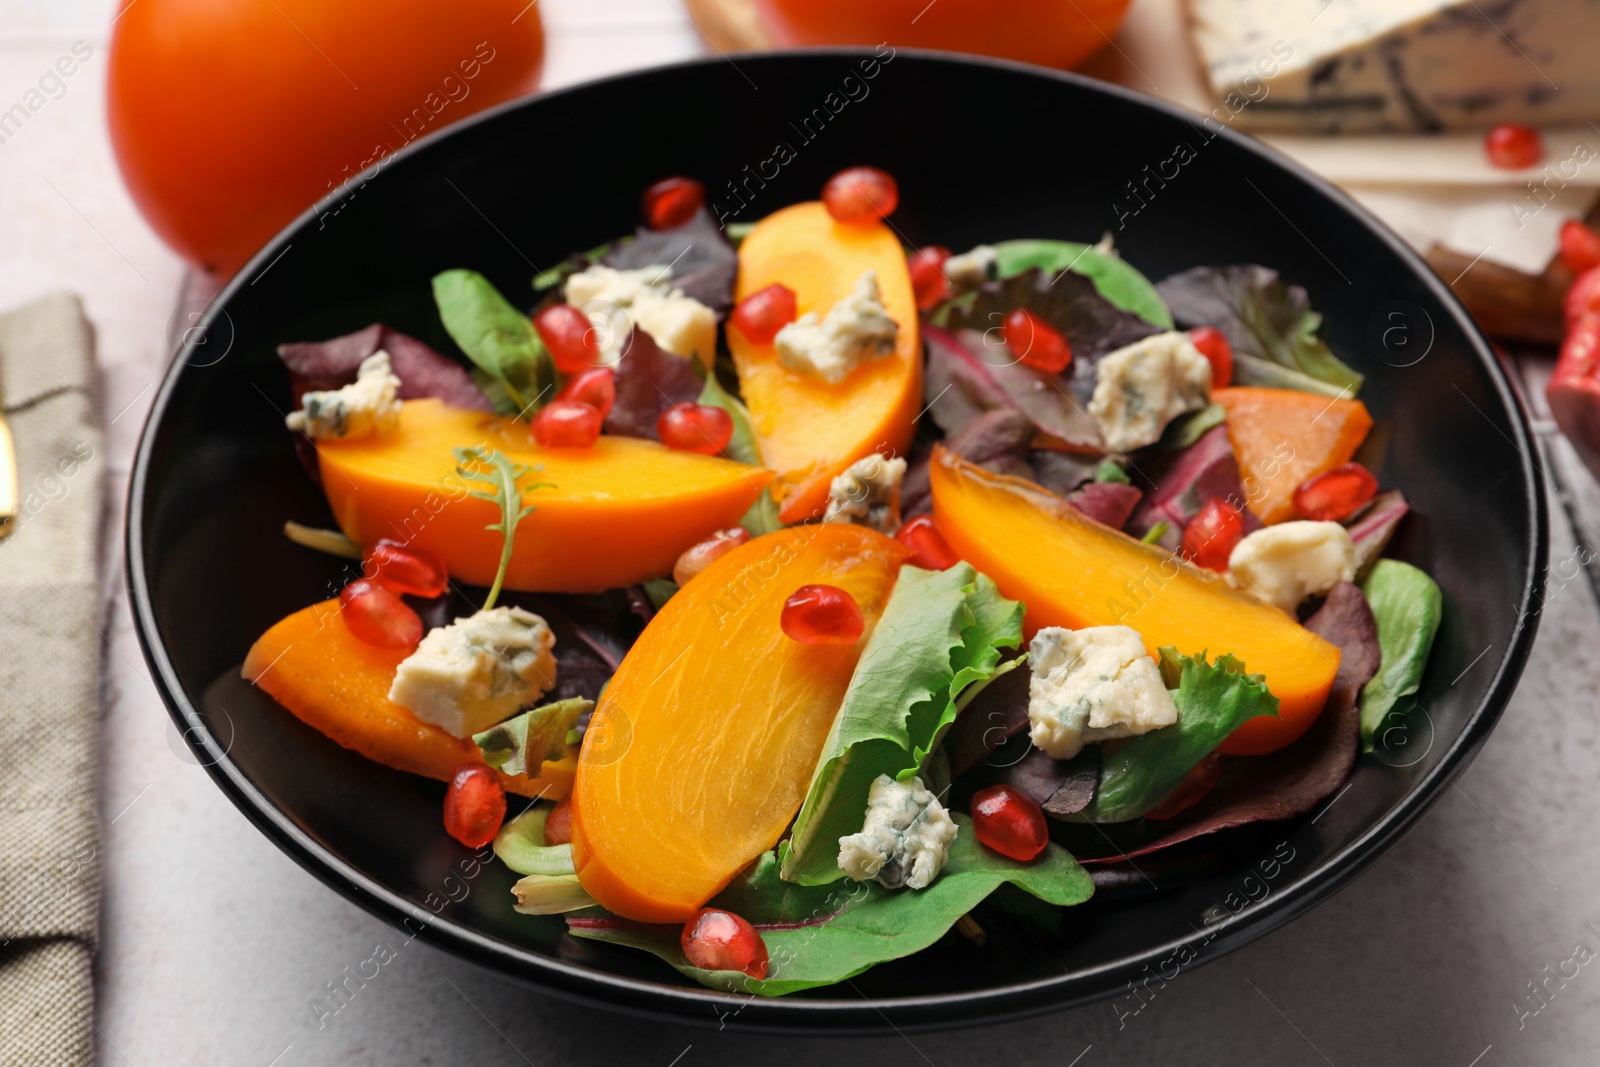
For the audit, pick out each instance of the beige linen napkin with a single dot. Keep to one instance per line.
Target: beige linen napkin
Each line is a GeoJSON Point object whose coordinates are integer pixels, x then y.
{"type": "Point", "coordinates": [49, 685]}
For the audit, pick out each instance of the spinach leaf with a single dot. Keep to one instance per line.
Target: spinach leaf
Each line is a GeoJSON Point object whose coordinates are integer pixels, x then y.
{"type": "Point", "coordinates": [1268, 322]}
{"type": "Point", "coordinates": [940, 632]}
{"type": "Point", "coordinates": [1115, 280]}
{"type": "Point", "coordinates": [1407, 605]}
{"type": "Point", "coordinates": [495, 336]}
{"type": "Point", "coordinates": [819, 935]}
{"type": "Point", "coordinates": [1213, 699]}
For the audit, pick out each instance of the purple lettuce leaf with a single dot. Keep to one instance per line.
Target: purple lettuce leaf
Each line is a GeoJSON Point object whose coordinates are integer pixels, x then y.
{"type": "Point", "coordinates": [996, 440]}
{"type": "Point", "coordinates": [989, 722]}
{"type": "Point", "coordinates": [1108, 503]}
{"type": "Point", "coordinates": [422, 371]}
{"type": "Point", "coordinates": [649, 381]}
{"type": "Point", "coordinates": [966, 378]}
{"type": "Point", "coordinates": [704, 265]}
{"type": "Point", "coordinates": [1060, 787]}
{"type": "Point", "coordinates": [1066, 300]}
{"type": "Point", "coordinates": [1184, 481]}
{"type": "Point", "coordinates": [1062, 472]}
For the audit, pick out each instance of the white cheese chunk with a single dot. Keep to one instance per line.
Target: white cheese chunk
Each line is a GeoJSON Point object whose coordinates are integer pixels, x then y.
{"type": "Point", "coordinates": [971, 268]}
{"type": "Point", "coordinates": [905, 839]}
{"type": "Point", "coordinates": [856, 329]}
{"type": "Point", "coordinates": [1141, 388]}
{"type": "Point", "coordinates": [1093, 685]}
{"type": "Point", "coordinates": [1345, 65]}
{"type": "Point", "coordinates": [367, 407]}
{"type": "Point", "coordinates": [617, 300]}
{"type": "Point", "coordinates": [868, 494]}
{"type": "Point", "coordinates": [478, 671]}
{"type": "Point", "coordinates": [1293, 560]}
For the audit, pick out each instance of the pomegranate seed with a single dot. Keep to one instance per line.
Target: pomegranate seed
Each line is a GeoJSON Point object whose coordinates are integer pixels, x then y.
{"type": "Point", "coordinates": [1010, 822]}
{"type": "Point", "coordinates": [698, 557]}
{"type": "Point", "coordinates": [932, 551]}
{"type": "Point", "coordinates": [558, 824]}
{"type": "Point", "coordinates": [1580, 246]}
{"type": "Point", "coordinates": [474, 805]}
{"type": "Point", "coordinates": [567, 424]}
{"type": "Point", "coordinates": [1036, 343]}
{"type": "Point", "coordinates": [691, 427]}
{"type": "Point", "coordinates": [764, 312]}
{"type": "Point", "coordinates": [570, 337]}
{"type": "Point", "coordinates": [1584, 296]}
{"type": "Point", "coordinates": [861, 195]}
{"type": "Point", "coordinates": [1512, 147]}
{"type": "Point", "coordinates": [927, 275]}
{"type": "Point", "coordinates": [1213, 344]}
{"type": "Point", "coordinates": [1580, 349]}
{"type": "Point", "coordinates": [378, 616]}
{"type": "Point", "coordinates": [822, 615]}
{"type": "Point", "coordinates": [403, 569]}
{"type": "Point", "coordinates": [716, 940]}
{"type": "Point", "coordinates": [671, 202]}
{"type": "Point", "coordinates": [1190, 790]}
{"type": "Point", "coordinates": [596, 387]}
{"type": "Point", "coordinates": [1335, 494]}
{"type": "Point", "coordinates": [1211, 535]}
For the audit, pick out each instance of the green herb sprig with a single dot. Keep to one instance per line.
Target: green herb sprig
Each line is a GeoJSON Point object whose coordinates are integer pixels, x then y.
{"type": "Point", "coordinates": [501, 490]}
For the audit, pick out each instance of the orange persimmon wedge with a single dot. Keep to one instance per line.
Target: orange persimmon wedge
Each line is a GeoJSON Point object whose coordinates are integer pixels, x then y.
{"type": "Point", "coordinates": [620, 512]}
{"type": "Point", "coordinates": [1282, 437]}
{"type": "Point", "coordinates": [338, 684]}
{"type": "Point", "coordinates": [1071, 571]}
{"type": "Point", "coordinates": [809, 430]}
{"type": "Point", "coordinates": [703, 745]}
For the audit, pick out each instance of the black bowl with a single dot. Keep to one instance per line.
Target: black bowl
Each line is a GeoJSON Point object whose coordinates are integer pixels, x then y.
{"type": "Point", "coordinates": [983, 151]}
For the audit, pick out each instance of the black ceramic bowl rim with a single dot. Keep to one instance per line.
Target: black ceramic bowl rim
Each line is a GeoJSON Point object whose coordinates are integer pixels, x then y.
{"type": "Point", "coordinates": [845, 1014]}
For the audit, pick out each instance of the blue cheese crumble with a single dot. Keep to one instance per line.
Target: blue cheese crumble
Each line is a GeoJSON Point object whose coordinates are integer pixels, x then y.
{"type": "Point", "coordinates": [1142, 387]}
{"type": "Point", "coordinates": [905, 840]}
{"type": "Point", "coordinates": [367, 407]}
{"type": "Point", "coordinates": [868, 494]}
{"type": "Point", "coordinates": [1287, 563]}
{"type": "Point", "coordinates": [857, 329]}
{"type": "Point", "coordinates": [478, 671]}
{"type": "Point", "coordinates": [622, 299]}
{"type": "Point", "coordinates": [1093, 685]}
{"type": "Point", "coordinates": [972, 268]}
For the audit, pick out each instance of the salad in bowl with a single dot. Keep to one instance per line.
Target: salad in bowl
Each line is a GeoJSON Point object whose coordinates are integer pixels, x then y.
{"type": "Point", "coordinates": [780, 600]}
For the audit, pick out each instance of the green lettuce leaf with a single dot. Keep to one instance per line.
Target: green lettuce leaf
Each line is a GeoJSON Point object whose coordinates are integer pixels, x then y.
{"type": "Point", "coordinates": [819, 935]}
{"type": "Point", "coordinates": [1115, 280]}
{"type": "Point", "coordinates": [1407, 606]}
{"type": "Point", "coordinates": [1213, 699]}
{"type": "Point", "coordinates": [762, 517]}
{"type": "Point", "coordinates": [741, 447]}
{"type": "Point", "coordinates": [1185, 430]}
{"type": "Point", "coordinates": [520, 845]}
{"type": "Point", "coordinates": [522, 743]}
{"type": "Point", "coordinates": [495, 336]}
{"type": "Point", "coordinates": [941, 632]}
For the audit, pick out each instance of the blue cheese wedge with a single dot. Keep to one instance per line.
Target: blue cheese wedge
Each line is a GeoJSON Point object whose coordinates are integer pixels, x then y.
{"type": "Point", "coordinates": [1141, 388]}
{"type": "Point", "coordinates": [1339, 66]}
{"type": "Point", "coordinates": [622, 299]}
{"type": "Point", "coordinates": [367, 407]}
{"type": "Point", "coordinates": [1092, 685]}
{"type": "Point", "coordinates": [905, 839]}
{"type": "Point", "coordinates": [1287, 563]}
{"type": "Point", "coordinates": [868, 494]}
{"type": "Point", "coordinates": [478, 671]}
{"type": "Point", "coordinates": [857, 329]}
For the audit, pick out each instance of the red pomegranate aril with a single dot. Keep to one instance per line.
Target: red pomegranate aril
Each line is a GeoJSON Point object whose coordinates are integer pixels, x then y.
{"type": "Point", "coordinates": [922, 536]}
{"type": "Point", "coordinates": [822, 615]}
{"type": "Point", "coordinates": [596, 387]}
{"type": "Point", "coordinates": [1513, 147]}
{"type": "Point", "coordinates": [569, 335]}
{"type": "Point", "coordinates": [1213, 344]}
{"type": "Point", "coordinates": [671, 202]}
{"type": "Point", "coordinates": [1336, 494]}
{"type": "Point", "coordinates": [1190, 790]}
{"type": "Point", "coordinates": [558, 824]}
{"type": "Point", "coordinates": [861, 195]}
{"type": "Point", "coordinates": [697, 558]}
{"type": "Point", "coordinates": [1009, 822]}
{"type": "Point", "coordinates": [567, 424]}
{"type": "Point", "coordinates": [927, 275]}
{"type": "Point", "coordinates": [378, 616]}
{"type": "Point", "coordinates": [717, 940]}
{"type": "Point", "coordinates": [1580, 246]}
{"type": "Point", "coordinates": [691, 427]}
{"type": "Point", "coordinates": [403, 569]}
{"type": "Point", "coordinates": [474, 805]}
{"type": "Point", "coordinates": [1036, 343]}
{"type": "Point", "coordinates": [764, 312]}
{"type": "Point", "coordinates": [1211, 535]}
{"type": "Point", "coordinates": [1584, 296]}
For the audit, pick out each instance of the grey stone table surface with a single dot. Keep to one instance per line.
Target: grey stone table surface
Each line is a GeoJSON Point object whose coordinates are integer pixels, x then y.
{"type": "Point", "coordinates": [216, 945]}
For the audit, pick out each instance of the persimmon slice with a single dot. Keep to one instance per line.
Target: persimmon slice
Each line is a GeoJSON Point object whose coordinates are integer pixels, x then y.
{"type": "Point", "coordinates": [703, 745]}
{"type": "Point", "coordinates": [1282, 437]}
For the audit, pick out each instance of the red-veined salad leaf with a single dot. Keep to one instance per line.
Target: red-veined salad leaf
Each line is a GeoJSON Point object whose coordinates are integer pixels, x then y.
{"type": "Point", "coordinates": [1113, 278]}
{"type": "Point", "coordinates": [940, 632]}
{"type": "Point", "coordinates": [1407, 606]}
{"type": "Point", "coordinates": [819, 935]}
{"type": "Point", "coordinates": [704, 265]}
{"type": "Point", "coordinates": [649, 380]}
{"type": "Point", "coordinates": [1372, 528]}
{"type": "Point", "coordinates": [1060, 787]}
{"type": "Point", "coordinates": [423, 372]}
{"type": "Point", "coordinates": [1066, 300]}
{"type": "Point", "coordinates": [997, 440]}
{"type": "Point", "coordinates": [966, 378]}
{"type": "Point", "coordinates": [1062, 472]}
{"type": "Point", "coordinates": [497, 337]}
{"type": "Point", "coordinates": [1109, 503]}
{"type": "Point", "coordinates": [1268, 322]}
{"type": "Point", "coordinates": [989, 721]}
{"type": "Point", "coordinates": [1184, 481]}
